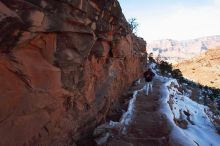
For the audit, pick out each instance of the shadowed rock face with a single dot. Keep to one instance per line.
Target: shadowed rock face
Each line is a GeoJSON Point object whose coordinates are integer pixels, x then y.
{"type": "Point", "coordinates": [63, 63]}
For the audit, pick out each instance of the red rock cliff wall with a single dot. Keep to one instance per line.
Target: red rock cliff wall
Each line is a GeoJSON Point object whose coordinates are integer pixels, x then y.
{"type": "Point", "coordinates": [62, 65]}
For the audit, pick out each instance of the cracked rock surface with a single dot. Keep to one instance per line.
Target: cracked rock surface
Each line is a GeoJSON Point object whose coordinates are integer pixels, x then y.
{"type": "Point", "coordinates": [63, 64]}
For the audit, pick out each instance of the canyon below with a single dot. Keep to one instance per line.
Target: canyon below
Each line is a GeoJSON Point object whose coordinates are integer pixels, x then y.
{"type": "Point", "coordinates": [198, 59]}
{"type": "Point", "coordinates": [203, 69]}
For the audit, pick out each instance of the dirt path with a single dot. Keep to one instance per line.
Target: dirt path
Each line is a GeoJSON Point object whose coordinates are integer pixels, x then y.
{"type": "Point", "coordinates": [148, 126]}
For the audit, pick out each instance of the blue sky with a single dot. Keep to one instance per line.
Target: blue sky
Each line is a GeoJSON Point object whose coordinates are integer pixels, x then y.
{"type": "Point", "coordinates": [174, 19]}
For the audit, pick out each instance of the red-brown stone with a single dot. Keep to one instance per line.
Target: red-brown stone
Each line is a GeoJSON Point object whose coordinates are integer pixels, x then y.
{"type": "Point", "coordinates": [58, 80]}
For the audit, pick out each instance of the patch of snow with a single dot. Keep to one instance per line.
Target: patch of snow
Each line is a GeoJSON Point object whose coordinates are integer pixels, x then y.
{"type": "Point", "coordinates": [102, 140]}
{"type": "Point", "coordinates": [127, 116]}
{"type": "Point", "coordinates": [104, 131]}
{"type": "Point", "coordinates": [139, 81]}
{"type": "Point", "coordinates": [201, 131]}
{"type": "Point", "coordinates": [177, 136]}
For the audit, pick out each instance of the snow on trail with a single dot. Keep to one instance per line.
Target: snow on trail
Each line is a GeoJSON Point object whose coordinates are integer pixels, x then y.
{"type": "Point", "coordinates": [127, 116]}
{"type": "Point", "coordinates": [201, 131]}
{"type": "Point", "coordinates": [121, 126]}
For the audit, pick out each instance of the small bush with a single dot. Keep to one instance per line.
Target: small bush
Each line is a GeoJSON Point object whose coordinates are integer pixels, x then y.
{"type": "Point", "coordinates": [176, 73]}
{"type": "Point", "coordinates": [165, 68]}
{"type": "Point", "coordinates": [133, 25]}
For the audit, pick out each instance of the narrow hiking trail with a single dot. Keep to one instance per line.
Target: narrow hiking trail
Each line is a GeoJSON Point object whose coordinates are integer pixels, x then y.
{"type": "Point", "coordinates": [148, 126]}
{"type": "Point", "coordinates": [160, 118]}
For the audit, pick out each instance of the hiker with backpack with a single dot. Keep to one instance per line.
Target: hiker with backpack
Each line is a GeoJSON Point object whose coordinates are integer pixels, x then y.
{"type": "Point", "coordinates": [148, 75]}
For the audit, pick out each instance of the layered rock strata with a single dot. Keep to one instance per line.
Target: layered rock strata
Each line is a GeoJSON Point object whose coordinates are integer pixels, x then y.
{"type": "Point", "coordinates": [175, 51]}
{"type": "Point", "coordinates": [63, 64]}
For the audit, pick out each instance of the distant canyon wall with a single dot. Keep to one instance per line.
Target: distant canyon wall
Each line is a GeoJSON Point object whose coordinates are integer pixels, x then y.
{"type": "Point", "coordinates": [63, 64]}
{"type": "Point", "coordinates": [175, 51]}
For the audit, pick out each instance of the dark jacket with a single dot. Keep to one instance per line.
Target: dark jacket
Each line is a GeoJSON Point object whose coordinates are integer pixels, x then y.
{"type": "Point", "coordinates": [149, 75]}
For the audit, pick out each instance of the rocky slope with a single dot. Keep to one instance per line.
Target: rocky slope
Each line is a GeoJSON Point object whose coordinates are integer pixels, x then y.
{"type": "Point", "coordinates": [63, 64]}
{"type": "Point", "coordinates": [174, 51]}
{"type": "Point", "coordinates": [204, 69]}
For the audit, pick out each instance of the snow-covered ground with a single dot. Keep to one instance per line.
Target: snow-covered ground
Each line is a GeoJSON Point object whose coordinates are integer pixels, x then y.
{"type": "Point", "coordinates": [195, 119]}
{"type": "Point", "coordinates": [199, 130]}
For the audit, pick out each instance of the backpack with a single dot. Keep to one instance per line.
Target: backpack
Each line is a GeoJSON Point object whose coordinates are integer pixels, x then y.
{"type": "Point", "coordinates": [148, 76]}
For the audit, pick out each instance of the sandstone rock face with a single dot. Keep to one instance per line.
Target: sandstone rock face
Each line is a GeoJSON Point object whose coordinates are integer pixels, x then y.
{"type": "Point", "coordinates": [63, 63]}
